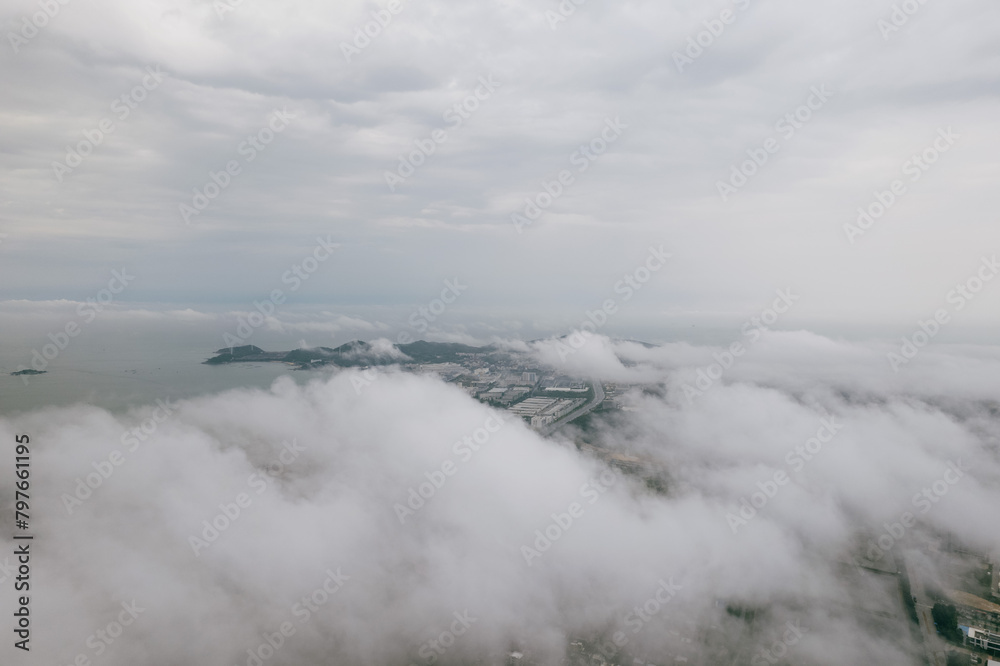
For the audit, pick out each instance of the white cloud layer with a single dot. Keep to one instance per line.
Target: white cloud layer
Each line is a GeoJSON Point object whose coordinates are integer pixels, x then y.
{"type": "Point", "coordinates": [345, 455]}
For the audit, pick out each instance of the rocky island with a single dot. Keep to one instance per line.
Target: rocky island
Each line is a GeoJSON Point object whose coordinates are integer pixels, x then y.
{"type": "Point", "coordinates": [356, 353]}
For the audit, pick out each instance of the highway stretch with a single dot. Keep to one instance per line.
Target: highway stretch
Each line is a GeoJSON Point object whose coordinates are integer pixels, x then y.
{"type": "Point", "coordinates": [577, 413]}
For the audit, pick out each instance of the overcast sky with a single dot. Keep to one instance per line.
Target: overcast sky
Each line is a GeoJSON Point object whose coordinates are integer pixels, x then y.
{"type": "Point", "coordinates": [699, 165]}
{"type": "Point", "coordinates": [880, 95]}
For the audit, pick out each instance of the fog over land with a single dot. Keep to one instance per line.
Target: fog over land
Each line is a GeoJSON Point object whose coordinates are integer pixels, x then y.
{"type": "Point", "coordinates": [343, 455]}
{"type": "Point", "coordinates": [503, 333]}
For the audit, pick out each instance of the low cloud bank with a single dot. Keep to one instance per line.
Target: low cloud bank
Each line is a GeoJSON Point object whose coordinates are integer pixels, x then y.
{"type": "Point", "coordinates": [404, 523]}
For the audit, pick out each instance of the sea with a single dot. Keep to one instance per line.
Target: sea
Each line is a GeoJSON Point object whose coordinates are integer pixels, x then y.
{"type": "Point", "coordinates": [118, 371]}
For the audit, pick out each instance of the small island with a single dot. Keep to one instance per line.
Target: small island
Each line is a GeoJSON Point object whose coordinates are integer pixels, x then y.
{"type": "Point", "coordinates": [353, 354]}
{"type": "Point", "coordinates": [29, 371]}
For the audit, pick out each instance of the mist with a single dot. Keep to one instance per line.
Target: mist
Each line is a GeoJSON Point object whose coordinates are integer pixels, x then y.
{"type": "Point", "coordinates": [413, 513]}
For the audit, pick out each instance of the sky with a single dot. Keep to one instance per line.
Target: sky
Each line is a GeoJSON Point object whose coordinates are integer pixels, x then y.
{"type": "Point", "coordinates": [796, 199]}
{"type": "Point", "coordinates": [644, 125]}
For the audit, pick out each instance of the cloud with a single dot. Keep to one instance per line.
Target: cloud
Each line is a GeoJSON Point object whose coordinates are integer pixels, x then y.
{"type": "Point", "coordinates": [381, 481]}
{"type": "Point", "coordinates": [354, 121]}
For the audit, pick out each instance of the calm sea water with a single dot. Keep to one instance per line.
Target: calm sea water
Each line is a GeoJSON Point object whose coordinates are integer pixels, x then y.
{"type": "Point", "coordinates": [125, 371]}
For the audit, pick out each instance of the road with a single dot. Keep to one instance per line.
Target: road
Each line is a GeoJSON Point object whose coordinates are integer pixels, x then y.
{"type": "Point", "coordinates": [577, 413]}
{"type": "Point", "coordinates": [934, 647]}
